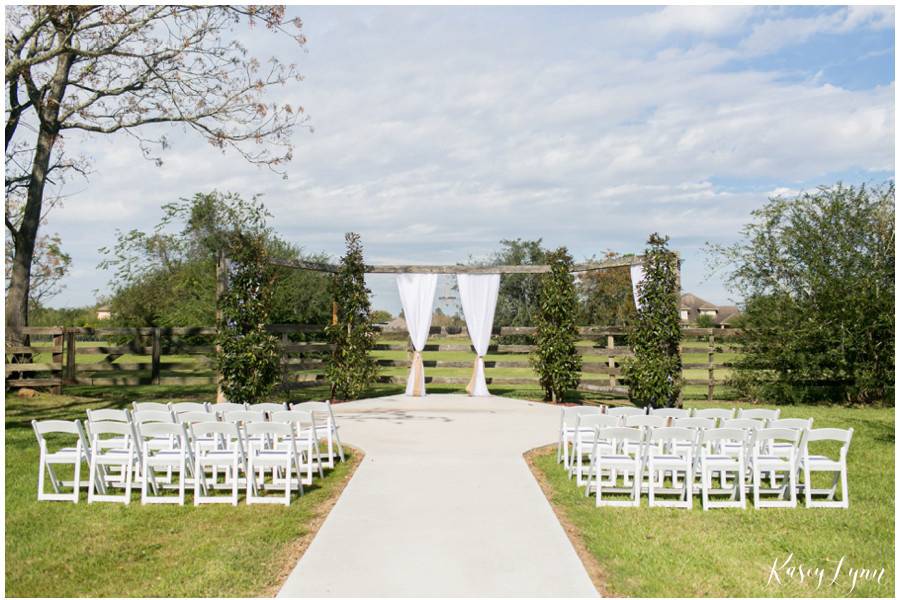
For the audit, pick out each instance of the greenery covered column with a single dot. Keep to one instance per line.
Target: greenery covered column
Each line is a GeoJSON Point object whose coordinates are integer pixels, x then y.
{"type": "Point", "coordinates": [654, 373]}
{"type": "Point", "coordinates": [351, 369]}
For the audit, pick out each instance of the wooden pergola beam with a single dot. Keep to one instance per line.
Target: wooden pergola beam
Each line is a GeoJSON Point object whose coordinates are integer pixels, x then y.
{"type": "Point", "coordinates": [625, 261]}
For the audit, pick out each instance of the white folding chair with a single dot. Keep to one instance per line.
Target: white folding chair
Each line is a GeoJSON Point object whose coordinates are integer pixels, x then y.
{"type": "Point", "coordinates": [663, 457]}
{"type": "Point", "coordinates": [163, 442]}
{"type": "Point", "coordinates": [718, 414]}
{"type": "Point", "coordinates": [697, 424]}
{"type": "Point", "coordinates": [611, 455]}
{"type": "Point", "coordinates": [220, 408]}
{"type": "Point", "coordinates": [783, 448]}
{"type": "Point", "coordinates": [813, 463]}
{"type": "Point", "coordinates": [669, 412]}
{"type": "Point", "coordinates": [644, 423]}
{"type": "Point", "coordinates": [306, 440]}
{"type": "Point", "coordinates": [175, 457]}
{"type": "Point", "coordinates": [733, 449]}
{"type": "Point", "coordinates": [114, 415]}
{"type": "Point", "coordinates": [280, 453]}
{"type": "Point", "coordinates": [568, 417]}
{"type": "Point", "coordinates": [326, 425]}
{"type": "Point", "coordinates": [764, 414]}
{"type": "Point", "coordinates": [585, 431]}
{"type": "Point", "coordinates": [714, 460]}
{"type": "Point", "coordinates": [123, 455]}
{"type": "Point", "coordinates": [216, 445]}
{"type": "Point", "coordinates": [67, 455]}
{"type": "Point", "coordinates": [762, 459]}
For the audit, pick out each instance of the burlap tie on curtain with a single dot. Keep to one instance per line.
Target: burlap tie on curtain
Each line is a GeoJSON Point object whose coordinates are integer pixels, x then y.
{"type": "Point", "coordinates": [418, 374]}
{"type": "Point", "coordinates": [471, 386]}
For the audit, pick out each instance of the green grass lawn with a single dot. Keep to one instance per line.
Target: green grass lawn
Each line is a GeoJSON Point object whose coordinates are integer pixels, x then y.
{"type": "Point", "coordinates": [730, 552]}
{"type": "Point", "coordinates": [64, 549]}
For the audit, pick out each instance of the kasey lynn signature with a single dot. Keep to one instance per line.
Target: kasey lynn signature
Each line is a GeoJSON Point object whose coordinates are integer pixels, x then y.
{"type": "Point", "coordinates": [840, 573]}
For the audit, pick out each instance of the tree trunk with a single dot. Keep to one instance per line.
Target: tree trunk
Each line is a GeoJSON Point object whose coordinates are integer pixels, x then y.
{"type": "Point", "coordinates": [26, 236]}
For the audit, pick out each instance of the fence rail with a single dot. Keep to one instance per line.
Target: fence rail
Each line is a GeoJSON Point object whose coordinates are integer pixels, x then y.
{"type": "Point", "coordinates": [185, 356]}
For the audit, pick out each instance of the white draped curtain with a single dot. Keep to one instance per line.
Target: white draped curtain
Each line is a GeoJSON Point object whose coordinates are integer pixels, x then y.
{"type": "Point", "coordinates": [637, 276]}
{"type": "Point", "coordinates": [478, 294]}
{"type": "Point", "coordinates": [417, 297]}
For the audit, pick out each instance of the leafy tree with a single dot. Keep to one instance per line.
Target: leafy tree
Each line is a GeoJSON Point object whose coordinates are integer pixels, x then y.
{"type": "Point", "coordinates": [606, 296]}
{"type": "Point", "coordinates": [705, 320]}
{"type": "Point", "coordinates": [381, 316]}
{"type": "Point", "coordinates": [250, 356]}
{"type": "Point", "coordinates": [98, 70]}
{"type": "Point", "coordinates": [517, 301]}
{"type": "Point", "coordinates": [556, 360]}
{"type": "Point", "coordinates": [351, 368]}
{"type": "Point", "coordinates": [166, 278]}
{"type": "Point", "coordinates": [654, 373]}
{"type": "Point", "coordinates": [817, 275]}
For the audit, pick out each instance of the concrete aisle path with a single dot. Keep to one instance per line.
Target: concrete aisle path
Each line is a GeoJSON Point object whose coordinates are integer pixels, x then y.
{"type": "Point", "coordinates": [442, 505]}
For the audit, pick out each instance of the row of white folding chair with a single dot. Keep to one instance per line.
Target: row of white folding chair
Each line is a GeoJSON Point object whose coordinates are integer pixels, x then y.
{"type": "Point", "coordinates": [722, 451]}
{"type": "Point", "coordinates": [234, 446]}
{"type": "Point", "coordinates": [586, 424]}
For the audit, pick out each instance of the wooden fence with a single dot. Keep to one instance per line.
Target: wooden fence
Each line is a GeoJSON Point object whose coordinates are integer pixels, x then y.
{"type": "Point", "coordinates": [184, 356]}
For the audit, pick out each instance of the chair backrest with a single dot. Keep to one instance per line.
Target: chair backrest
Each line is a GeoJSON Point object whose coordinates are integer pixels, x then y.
{"type": "Point", "coordinates": [724, 434]}
{"type": "Point", "coordinates": [669, 412]}
{"type": "Point", "coordinates": [155, 406]}
{"type": "Point", "coordinates": [149, 430]}
{"type": "Point", "coordinates": [711, 440]}
{"type": "Point", "coordinates": [275, 432]}
{"type": "Point", "coordinates": [616, 435]}
{"type": "Point", "coordinates": [108, 414]}
{"type": "Point", "coordinates": [748, 424]}
{"type": "Point", "coordinates": [758, 413]}
{"type": "Point", "coordinates": [210, 429]}
{"type": "Point", "coordinates": [110, 428]}
{"type": "Point", "coordinates": [595, 420]}
{"type": "Point", "coordinates": [152, 416]}
{"type": "Point", "coordinates": [243, 416]}
{"type": "Point", "coordinates": [183, 407]}
{"type": "Point", "coordinates": [828, 434]}
{"type": "Point", "coordinates": [713, 413]}
{"type": "Point", "coordinates": [645, 421]}
{"type": "Point", "coordinates": [694, 423]}
{"type": "Point", "coordinates": [625, 411]}
{"type": "Point", "coordinates": [197, 417]}
{"type": "Point", "coordinates": [301, 418]}
{"type": "Point", "coordinates": [224, 407]}
{"type": "Point", "coordinates": [675, 434]}
{"type": "Point", "coordinates": [54, 426]}
{"type": "Point", "coordinates": [570, 414]}
{"type": "Point", "coordinates": [771, 434]}
{"type": "Point", "coordinates": [267, 407]}
{"type": "Point", "coordinates": [790, 424]}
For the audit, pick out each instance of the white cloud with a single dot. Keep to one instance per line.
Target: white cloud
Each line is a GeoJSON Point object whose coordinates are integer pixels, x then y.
{"type": "Point", "coordinates": [434, 139]}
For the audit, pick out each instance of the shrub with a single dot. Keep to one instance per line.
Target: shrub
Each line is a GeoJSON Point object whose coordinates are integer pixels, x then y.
{"type": "Point", "coordinates": [556, 360]}
{"type": "Point", "coordinates": [250, 356]}
{"type": "Point", "coordinates": [654, 373]}
{"type": "Point", "coordinates": [351, 369]}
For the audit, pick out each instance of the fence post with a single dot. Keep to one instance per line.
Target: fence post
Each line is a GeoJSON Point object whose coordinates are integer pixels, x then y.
{"type": "Point", "coordinates": [156, 350]}
{"type": "Point", "coordinates": [70, 357]}
{"type": "Point", "coordinates": [57, 360]}
{"type": "Point", "coordinates": [611, 360]}
{"type": "Point", "coordinates": [710, 369]}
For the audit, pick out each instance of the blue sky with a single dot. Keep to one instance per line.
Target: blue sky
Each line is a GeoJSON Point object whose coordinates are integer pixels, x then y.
{"type": "Point", "coordinates": [440, 131]}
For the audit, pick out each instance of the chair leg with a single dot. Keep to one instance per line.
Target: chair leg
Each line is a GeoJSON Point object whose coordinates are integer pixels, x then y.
{"type": "Point", "coordinates": [337, 441]}
{"type": "Point", "coordinates": [636, 490]}
{"type": "Point", "coordinates": [287, 483]}
{"type": "Point", "coordinates": [197, 485]}
{"type": "Point", "coordinates": [845, 491]}
{"type": "Point", "coordinates": [705, 483]}
{"type": "Point", "coordinates": [234, 482]}
{"type": "Point", "coordinates": [92, 478]}
{"type": "Point", "coordinates": [756, 487]}
{"type": "Point", "coordinates": [129, 477]}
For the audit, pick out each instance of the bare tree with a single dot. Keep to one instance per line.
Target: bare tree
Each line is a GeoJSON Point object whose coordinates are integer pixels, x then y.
{"type": "Point", "coordinates": [109, 69]}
